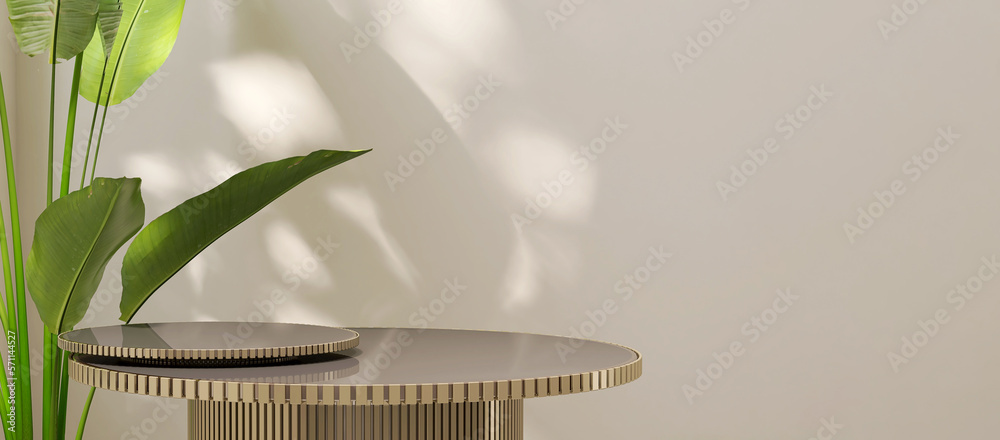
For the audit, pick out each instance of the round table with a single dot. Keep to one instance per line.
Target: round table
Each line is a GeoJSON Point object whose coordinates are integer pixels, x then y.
{"type": "Point", "coordinates": [396, 384]}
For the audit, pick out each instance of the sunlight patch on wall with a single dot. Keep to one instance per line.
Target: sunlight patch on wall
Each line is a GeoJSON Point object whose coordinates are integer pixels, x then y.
{"type": "Point", "coordinates": [306, 312]}
{"type": "Point", "coordinates": [294, 257]}
{"type": "Point", "coordinates": [444, 44]}
{"type": "Point", "coordinates": [539, 258]}
{"type": "Point", "coordinates": [520, 282]}
{"type": "Point", "coordinates": [216, 168]}
{"type": "Point", "coordinates": [359, 206]}
{"type": "Point", "coordinates": [347, 9]}
{"type": "Point", "coordinates": [538, 171]}
{"type": "Point", "coordinates": [198, 316]}
{"type": "Point", "coordinates": [559, 257]}
{"type": "Point", "coordinates": [196, 271]}
{"type": "Point", "coordinates": [160, 180]}
{"type": "Point", "coordinates": [275, 104]}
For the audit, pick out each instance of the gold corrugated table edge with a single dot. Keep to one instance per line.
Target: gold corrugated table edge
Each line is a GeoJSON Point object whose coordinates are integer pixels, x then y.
{"type": "Point", "coordinates": [342, 394]}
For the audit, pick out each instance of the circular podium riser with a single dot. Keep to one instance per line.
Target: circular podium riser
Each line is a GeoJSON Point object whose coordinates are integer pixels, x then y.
{"type": "Point", "coordinates": [495, 420]}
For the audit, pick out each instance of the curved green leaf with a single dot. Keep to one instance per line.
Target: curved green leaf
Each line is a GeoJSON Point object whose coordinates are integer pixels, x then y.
{"type": "Point", "coordinates": [34, 23]}
{"type": "Point", "coordinates": [74, 239]}
{"type": "Point", "coordinates": [172, 240]}
{"type": "Point", "coordinates": [109, 16]}
{"type": "Point", "coordinates": [142, 43]}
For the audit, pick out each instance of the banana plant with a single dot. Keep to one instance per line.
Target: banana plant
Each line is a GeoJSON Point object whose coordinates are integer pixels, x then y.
{"type": "Point", "coordinates": [114, 68]}
{"type": "Point", "coordinates": [114, 46]}
{"type": "Point", "coordinates": [77, 235]}
{"type": "Point", "coordinates": [14, 327]}
{"type": "Point", "coordinates": [63, 29]}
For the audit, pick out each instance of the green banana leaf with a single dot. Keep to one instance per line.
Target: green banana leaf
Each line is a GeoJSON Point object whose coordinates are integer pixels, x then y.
{"type": "Point", "coordinates": [142, 43]}
{"type": "Point", "coordinates": [34, 24]}
{"type": "Point", "coordinates": [109, 16]}
{"type": "Point", "coordinates": [172, 240]}
{"type": "Point", "coordinates": [74, 239]}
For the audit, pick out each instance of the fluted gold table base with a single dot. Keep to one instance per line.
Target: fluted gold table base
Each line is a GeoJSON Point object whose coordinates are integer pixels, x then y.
{"type": "Point", "coordinates": [493, 420]}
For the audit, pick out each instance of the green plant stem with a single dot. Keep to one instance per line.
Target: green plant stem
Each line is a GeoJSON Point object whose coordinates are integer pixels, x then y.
{"type": "Point", "coordinates": [52, 130]}
{"type": "Point", "coordinates": [104, 118]}
{"type": "Point", "coordinates": [90, 138]}
{"type": "Point", "coordinates": [63, 392]}
{"type": "Point", "coordinates": [55, 379]}
{"type": "Point", "coordinates": [74, 95]}
{"type": "Point", "coordinates": [107, 102]}
{"type": "Point", "coordinates": [47, 385]}
{"type": "Point", "coordinates": [83, 179]}
{"type": "Point", "coordinates": [4, 388]}
{"type": "Point", "coordinates": [7, 434]}
{"type": "Point", "coordinates": [22, 380]}
{"type": "Point", "coordinates": [50, 164]}
{"type": "Point", "coordinates": [100, 136]}
{"type": "Point", "coordinates": [84, 414]}
{"type": "Point", "coordinates": [93, 123]}
{"type": "Point", "coordinates": [23, 383]}
{"type": "Point", "coordinates": [52, 388]}
{"type": "Point", "coordinates": [59, 380]}
{"type": "Point", "coordinates": [47, 374]}
{"type": "Point", "coordinates": [9, 311]}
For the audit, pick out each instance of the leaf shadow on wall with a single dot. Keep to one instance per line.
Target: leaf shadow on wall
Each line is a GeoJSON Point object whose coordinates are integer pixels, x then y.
{"type": "Point", "coordinates": [398, 247]}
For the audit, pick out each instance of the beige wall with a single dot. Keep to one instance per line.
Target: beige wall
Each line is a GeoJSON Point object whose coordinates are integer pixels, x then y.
{"type": "Point", "coordinates": [248, 73]}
